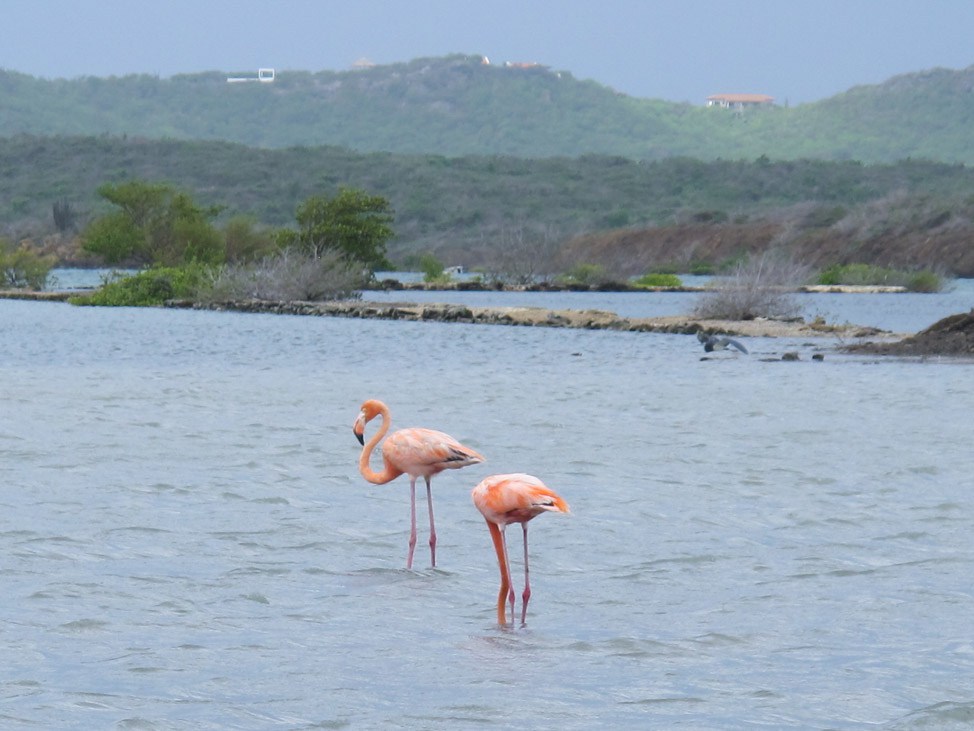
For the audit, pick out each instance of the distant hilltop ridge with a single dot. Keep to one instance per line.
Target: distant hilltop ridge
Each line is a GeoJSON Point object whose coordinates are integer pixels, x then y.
{"type": "Point", "coordinates": [459, 105]}
{"type": "Point", "coordinates": [727, 101]}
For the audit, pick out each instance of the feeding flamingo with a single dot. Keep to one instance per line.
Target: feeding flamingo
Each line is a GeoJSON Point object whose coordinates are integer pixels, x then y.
{"type": "Point", "coordinates": [516, 498]}
{"type": "Point", "coordinates": [415, 452]}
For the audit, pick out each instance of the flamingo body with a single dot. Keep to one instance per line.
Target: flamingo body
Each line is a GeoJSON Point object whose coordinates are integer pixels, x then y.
{"type": "Point", "coordinates": [422, 452]}
{"type": "Point", "coordinates": [416, 452]}
{"type": "Point", "coordinates": [506, 499]}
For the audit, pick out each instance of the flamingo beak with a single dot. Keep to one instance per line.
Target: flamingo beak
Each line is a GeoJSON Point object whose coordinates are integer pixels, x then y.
{"type": "Point", "coordinates": [359, 429]}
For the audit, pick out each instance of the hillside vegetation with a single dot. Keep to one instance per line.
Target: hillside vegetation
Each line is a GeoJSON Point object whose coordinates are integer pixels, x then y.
{"type": "Point", "coordinates": [470, 210]}
{"type": "Point", "coordinates": [457, 106]}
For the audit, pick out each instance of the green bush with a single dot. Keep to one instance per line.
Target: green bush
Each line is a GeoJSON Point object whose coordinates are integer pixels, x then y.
{"type": "Point", "coordinates": [925, 281]}
{"type": "Point", "coordinates": [154, 224]}
{"type": "Point", "coordinates": [701, 268]}
{"type": "Point", "coordinates": [22, 267]}
{"type": "Point", "coordinates": [870, 275]}
{"type": "Point", "coordinates": [659, 279]}
{"type": "Point", "coordinates": [148, 288]}
{"type": "Point", "coordinates": [585, 274]}
{"type": "Point", "coordinates": [856, 275]}
{"type": "Point", "coordinates": [432, 269]}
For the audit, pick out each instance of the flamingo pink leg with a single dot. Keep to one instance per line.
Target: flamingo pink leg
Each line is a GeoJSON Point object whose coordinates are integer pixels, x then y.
{"type": "Point", "coordinates": [429, 502]}
{"type": "Point", "coordinates": [527, 583]}
{"type": "Point", "coordinates": [507, 566]}
{"type": "Point", "coordinates": [412, 522]}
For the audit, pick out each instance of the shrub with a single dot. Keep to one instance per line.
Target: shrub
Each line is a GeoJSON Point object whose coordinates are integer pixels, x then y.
{"type": "Point", "coordinates": [246, 240]}
{"type": "Point", "coordinates": [22, 267]}
{"type": "Point", "coordinates": [286, 276]}
{"type": "Point", "coordinates": [148, 288]}
{"type": "Point", "coordinates": [587, 275]}
{"type": "Point", "coordinates": [701, 267]}
{"type": "Point", "coordinates": [925, 281]}
{"type": "Point", "coordinates": [658, 279]}
{"type": "Point", "coordinates": [869, 274]}
{"type": "Point", "coordinates": [856, 275]}
{"type": "Point", "coordinates": [522, 255]}
{"type": "Point", "coordinates": [432, 269]}
{"type": "Point", "coordinates": [759, 287]}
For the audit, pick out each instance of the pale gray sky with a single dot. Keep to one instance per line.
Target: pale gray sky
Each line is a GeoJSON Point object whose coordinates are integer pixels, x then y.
{"type": "Point", "coordinates": [679, 50]}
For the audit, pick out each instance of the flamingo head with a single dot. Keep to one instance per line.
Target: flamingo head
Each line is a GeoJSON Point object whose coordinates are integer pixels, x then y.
{"type": "Point", "coordinates": [370, 409]}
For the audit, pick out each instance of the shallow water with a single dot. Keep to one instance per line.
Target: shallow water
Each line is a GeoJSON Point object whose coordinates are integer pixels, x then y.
{"type": "Point", "coordinates": [185, 541]}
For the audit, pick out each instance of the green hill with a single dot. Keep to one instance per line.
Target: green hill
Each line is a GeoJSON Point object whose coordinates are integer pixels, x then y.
{"type": "Point", "coordinates": [456, 106]}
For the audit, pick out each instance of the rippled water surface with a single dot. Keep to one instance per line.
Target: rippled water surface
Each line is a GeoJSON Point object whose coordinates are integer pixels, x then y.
{"type": "Point", "coordinates": [186, 543]}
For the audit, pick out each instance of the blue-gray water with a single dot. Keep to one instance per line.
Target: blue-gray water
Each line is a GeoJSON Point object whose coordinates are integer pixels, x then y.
{"type": "Point", "coordinates": [186, 543]}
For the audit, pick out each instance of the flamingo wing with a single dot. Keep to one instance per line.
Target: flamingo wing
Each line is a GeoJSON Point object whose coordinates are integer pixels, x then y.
{"type": "Point", "coordinates": [425, 452]}
{"type": "Point", "coordinates": [516, 498]}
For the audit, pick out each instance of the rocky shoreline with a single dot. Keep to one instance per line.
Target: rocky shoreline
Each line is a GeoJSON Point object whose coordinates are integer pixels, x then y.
{"type": "Point", "coordinates": [952, 336]}
{"type": "Point", "coordinates": [395, 285]}
{"type": "Point", "coordinates": [539, 317]}
{"type": "Point", "coordinates": [513, 316]}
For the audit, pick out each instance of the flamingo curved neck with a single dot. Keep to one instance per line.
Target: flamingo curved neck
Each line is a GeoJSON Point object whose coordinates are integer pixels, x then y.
{"type": "Point", "coordinates": [389, 472]}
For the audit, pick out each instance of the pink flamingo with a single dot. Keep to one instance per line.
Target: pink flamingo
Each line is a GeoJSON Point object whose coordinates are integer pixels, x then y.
{"type": "Point", "coordinates": [516, 498]}
{"type": "Point", "coordinates": [415, 452]}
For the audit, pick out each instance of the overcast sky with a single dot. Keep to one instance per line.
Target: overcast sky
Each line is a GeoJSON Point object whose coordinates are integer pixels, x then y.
{"type": "Point", "coordinates": [679, 50]}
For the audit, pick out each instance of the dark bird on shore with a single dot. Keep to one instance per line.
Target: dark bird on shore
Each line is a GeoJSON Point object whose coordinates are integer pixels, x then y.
{"type": "Point", "coordinates": [714, 342]}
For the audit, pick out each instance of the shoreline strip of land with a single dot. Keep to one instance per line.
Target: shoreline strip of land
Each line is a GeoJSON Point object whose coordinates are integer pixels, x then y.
{"type": "Point", "coordinates": [512, 316]}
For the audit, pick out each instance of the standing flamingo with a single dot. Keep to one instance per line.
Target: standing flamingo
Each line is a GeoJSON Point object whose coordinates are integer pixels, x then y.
{"type": "Point", "coordinates": [414, 451]}
{"type": "Point", "coordinates": [516, 498]}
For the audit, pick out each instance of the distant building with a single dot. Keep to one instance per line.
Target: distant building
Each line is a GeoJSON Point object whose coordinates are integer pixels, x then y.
{"type": "Point", "coordinates": [739, 101]}
{"type": "Point", "coordinates": [265, 76]}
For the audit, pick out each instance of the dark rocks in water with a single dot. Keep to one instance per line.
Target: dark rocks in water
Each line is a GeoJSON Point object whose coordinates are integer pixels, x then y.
{"type": "Point", "coordinates": [790, 355]}
{"type": "Point", "coordinates": [953, 335]}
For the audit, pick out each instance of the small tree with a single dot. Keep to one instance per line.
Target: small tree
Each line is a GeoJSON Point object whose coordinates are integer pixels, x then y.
{"type": "Point", "coordinates": [246, 240]}
{"type": "Point", "coordinates": [353, 223]}
{"type": "Point", "coordinates": [284, 276]}
{"type": "Point", "coordinates": [523, 256]}
{"type": "Point", "coordinates": [154, 224]}
{"type": "Point", "coordinates": [761, 286]}
{"type": "Point", "coordinates": [586, 275]}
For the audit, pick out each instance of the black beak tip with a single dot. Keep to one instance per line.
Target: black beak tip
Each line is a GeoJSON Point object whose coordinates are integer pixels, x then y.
{"type": "Point", "coordinates": [361, 439]}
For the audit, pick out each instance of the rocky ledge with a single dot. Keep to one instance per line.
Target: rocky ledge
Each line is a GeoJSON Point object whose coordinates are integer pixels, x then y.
{"type": "Point", "coordinates": [477, 285]}
{"type": "Point", "coordinates": [540, 317]}
{"type": "Point", "coordinates": [953, 335]}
